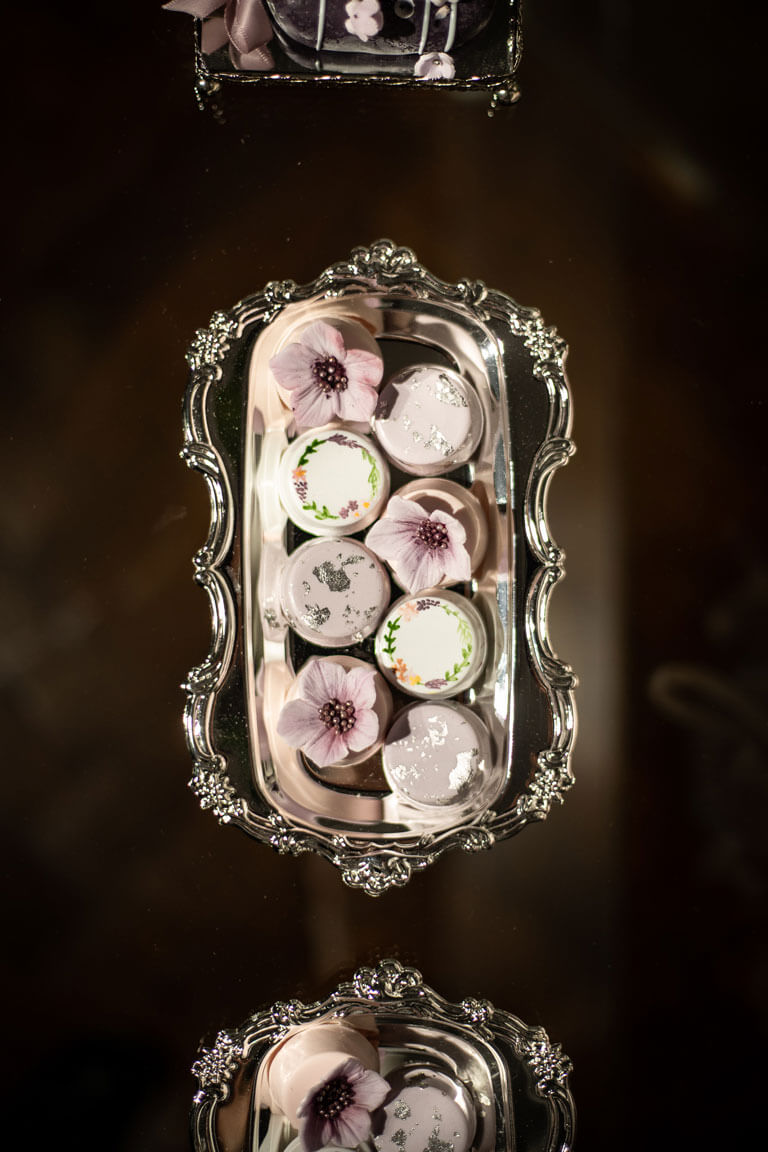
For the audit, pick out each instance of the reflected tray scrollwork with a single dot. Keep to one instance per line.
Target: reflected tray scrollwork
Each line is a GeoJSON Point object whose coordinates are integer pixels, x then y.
{"type": "Point", "coordinates": [517, 1073]}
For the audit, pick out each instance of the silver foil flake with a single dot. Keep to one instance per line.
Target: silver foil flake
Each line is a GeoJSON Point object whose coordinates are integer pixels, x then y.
{"type": "Point", "coordinates": [447, 393]}
{"type": "Point", "coordinates": [438, 442]}
{"type": "Point", "coordinates": [461, 775]}
{"type": "Point", "coordinates": [435, 1144]}
{"type": "Point", "coordinates": [335, 578]}
{"type": "Point", "coordinates": [352, 560]}
{"type": "Point", "coordinates": [315, 616]}
{"type": "Point", "coordinates": [400, 1138]}
{"type": "Point", "coordinates": [402, 1110]}
{"type": "Point", "coordinates": [306, 586]}
{"type": "Point", "coordinates": [437, 733]}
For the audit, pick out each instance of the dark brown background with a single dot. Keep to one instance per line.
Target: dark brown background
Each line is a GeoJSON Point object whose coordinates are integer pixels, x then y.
{"type": "Point", "coordinates": [622, 198]}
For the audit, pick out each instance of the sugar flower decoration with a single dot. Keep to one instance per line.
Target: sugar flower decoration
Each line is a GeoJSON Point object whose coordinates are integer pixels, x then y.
{"type": "Point", "coordinates": [338, 1111]}
{"type": "Point", "coordinates": [243, 24]}
{"type": "Point", "coordinates": [434, 66]}
{"type": "Point", "coordinates": [444, 8]}
{"type": "Point", "coordinates": [334, 714]}
{"type": "Point", "coordinates": [422, 549]}
{"type": "Point", "coordinates": [326, 380]}
{"type": "Point", "coordinates": [364, 18]}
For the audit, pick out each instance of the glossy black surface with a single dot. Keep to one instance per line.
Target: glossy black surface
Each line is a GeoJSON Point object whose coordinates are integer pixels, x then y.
{"type": "Point", "coordinates": [622, 196]}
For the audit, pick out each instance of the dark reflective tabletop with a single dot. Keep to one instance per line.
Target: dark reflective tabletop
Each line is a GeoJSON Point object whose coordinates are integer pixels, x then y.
{"type": "Point", "coordinates": [622, 197]}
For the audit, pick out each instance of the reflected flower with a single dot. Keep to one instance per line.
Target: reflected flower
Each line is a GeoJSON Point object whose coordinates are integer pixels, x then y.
{"type": "Point", "coordinates": [338, 1111]}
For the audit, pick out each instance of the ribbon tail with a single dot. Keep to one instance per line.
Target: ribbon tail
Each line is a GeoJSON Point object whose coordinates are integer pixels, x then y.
{"type": "Point", "coordinates": [248, 25]}
{"type": "Point", "coordinates": [257, 60]}
{"type": "Point", "coordinates": [198, 8]}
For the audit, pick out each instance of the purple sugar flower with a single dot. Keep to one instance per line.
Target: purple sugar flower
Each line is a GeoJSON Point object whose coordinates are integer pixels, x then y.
{"type": "Point", "coordinates": [334, 714]}
{"type": "Point", "coordinates": [338, 1111]}
{"type": "Point", "coordinates": [423, 550]}
{"type": "Point", "coordinates": [434, 66]}
{"type": "Point", "coordinates": [326, 380]}
{"type": "Point", "coordinates": [364, 18]}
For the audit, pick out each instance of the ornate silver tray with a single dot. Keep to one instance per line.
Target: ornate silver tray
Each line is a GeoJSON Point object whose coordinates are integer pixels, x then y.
{"type": "Point", "coordinates": [516, 1078]}
{"type": "Point", "coordinates": [525, 694]}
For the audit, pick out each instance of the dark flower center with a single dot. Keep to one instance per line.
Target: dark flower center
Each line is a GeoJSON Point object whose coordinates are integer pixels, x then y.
{"type": "Point", "coordinates": [334, 1096]}
{"type": "Point", "coordinates": [340, 716]}
{"type": "Point", "coordinates": [330, 375]}
{"type": "Point", "coordinates": [432, 534]}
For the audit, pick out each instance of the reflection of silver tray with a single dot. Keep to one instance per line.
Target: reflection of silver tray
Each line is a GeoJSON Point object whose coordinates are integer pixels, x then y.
{"type": "Point", "coordinates": [524, 695]}
{"type": "Point", "coordinates": [489, 61]}
{"type": "Point", "coordinates": [517, 1079]}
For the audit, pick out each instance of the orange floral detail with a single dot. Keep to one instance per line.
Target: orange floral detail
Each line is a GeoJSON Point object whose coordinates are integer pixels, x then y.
{"type": "Point", "coordinates": [299, 473]}
{"type": "Point", "coordinates": [408, 611]}
{"type": "Point", "coordinates": [401, 669]}
{"type": "Point", "coordinates": [414, 679]}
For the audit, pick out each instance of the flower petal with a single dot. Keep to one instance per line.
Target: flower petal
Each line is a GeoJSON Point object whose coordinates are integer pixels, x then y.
{"type": "Point", "coordinates": [387, 538]}
{"type": "Point", "coordinates": [424, 571]}
{"type": "Point", "coordinates": [321, 681]}
{"type": "Point", "coordinates": [357, 402]}
{"type": "Point", "coordinates": [299, 723]}
{"type": "Point", "coordinates": [292, 367]}
{"type": "Point", "coordinates": [360, 687]}
{"type": "Point", "coordinates": [371, 1090]}
{"type": "Point", "coordinates": [402, 550]}
{"type": "Point", "coordinates": [406, 511]}
{"type": "Point", "coordinates": [363, 367]}
{"type": "Point", "coordinates": [312, 1131]}
{"type": "Point", "coordinates": [365, 730]}
{"type": "Point", "coordinates": [456, 563]}
{"type": "Point", "coordinates": [328, 748]}
{"type": "Point", "coordinates": [311, 408]}
{"type": "Point", "coordinates": [323, 339]}
{"type": "Point", "coordinates": [352, 1126]}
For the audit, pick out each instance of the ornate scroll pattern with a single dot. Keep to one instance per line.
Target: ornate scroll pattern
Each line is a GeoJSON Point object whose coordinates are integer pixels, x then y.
{"type": "Point", "coordinates": [391, 990]}
{"type": "Point", "coordinates": [381, 864]}
{"type": "Point", "coordinates": [215, 1066]}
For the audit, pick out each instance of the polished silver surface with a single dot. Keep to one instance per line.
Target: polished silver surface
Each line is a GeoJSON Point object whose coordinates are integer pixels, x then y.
{"type": "Point", "coordinates": [525, 694]}
{"type": "Point", "coordinates": [515, 1078]}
